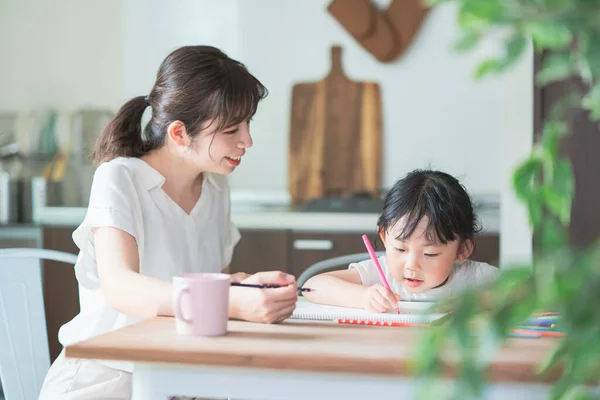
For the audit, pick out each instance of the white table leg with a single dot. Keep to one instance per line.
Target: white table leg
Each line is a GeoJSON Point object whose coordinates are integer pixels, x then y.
{"type": "Point", "coordinates": [144, 388]}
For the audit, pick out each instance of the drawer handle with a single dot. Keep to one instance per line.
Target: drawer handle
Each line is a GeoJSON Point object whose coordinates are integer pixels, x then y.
{"type": "Point", "coordinates": [313, 244]}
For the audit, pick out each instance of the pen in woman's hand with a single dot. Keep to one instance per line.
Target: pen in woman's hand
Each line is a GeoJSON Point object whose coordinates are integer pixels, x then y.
{"type": "Point", "coordinates": [266, 286]}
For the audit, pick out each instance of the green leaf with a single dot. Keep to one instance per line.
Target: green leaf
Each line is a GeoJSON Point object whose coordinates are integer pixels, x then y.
{"type": "Point", "coordinates": [590, 50]}
{"type": "Point", "coordinates": [553, 131]}
{"type": "Point", "coordinates": [477, 15]}
{"type": "Point", "coordinates": [524, 176]}
{"type": "Point", "coordinates": [467, 42]}
{"type": "Point", "coordinates": [487, 67]}
{"type": "Point", "coordinates": [535, 209]}
{"type": "Point", "coordinates": [552, 235]}
{"type": "Point", "coordinates": [553, 358]}
{"type": "Point", "coordinates": [514, 47]}
{"type": "Point", "coordinates": [555, 67]}
{"type": "Point", "coordinates": [561, 106]}
{"type": "Point", "coordinates": [557, 202]}
{"type": "Point", "coordinates": [578, 393]}
{"type": "Point", "coordinates": [591, 102]}
{"type": "Point", "coordinates": [564, 180]}
{"type": "Point", "coordinates": [549, 34]}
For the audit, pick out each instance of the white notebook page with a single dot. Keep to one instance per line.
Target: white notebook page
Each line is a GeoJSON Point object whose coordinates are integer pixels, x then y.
{"type": "Point", "coordinates": [410, 311]}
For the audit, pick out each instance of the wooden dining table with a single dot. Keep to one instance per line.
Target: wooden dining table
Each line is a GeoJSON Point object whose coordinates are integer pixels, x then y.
{"type": "Point", "coordinates": [298, 360]}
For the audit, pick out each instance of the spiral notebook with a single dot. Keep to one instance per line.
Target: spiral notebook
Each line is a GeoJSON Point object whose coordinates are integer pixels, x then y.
{"type": "Point", "coordinates": [410, 312]}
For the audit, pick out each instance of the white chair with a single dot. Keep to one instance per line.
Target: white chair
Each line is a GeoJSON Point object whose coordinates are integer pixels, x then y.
{"type": "Point", "coordinates": [333, 263]}
{"type": "Point", "coordinates": [24, 353]}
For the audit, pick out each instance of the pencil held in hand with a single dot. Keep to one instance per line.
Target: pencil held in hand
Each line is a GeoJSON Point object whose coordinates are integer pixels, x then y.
{"type": "Point", "coordinates": [266, 286]}
{"type": "Point", "coordinates": [384, 281]}
{"type": "Point", "coordinates": [378, 299]}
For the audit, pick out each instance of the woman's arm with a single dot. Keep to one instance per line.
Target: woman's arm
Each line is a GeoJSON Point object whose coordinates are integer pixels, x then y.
{"type": "Point", "coordinates": [236, 277]}
{"type": "Point", "coordinates": [127, 290]}
{"type": "Point", "coordinates": [337, 288]}
{"type": "Point", "coordinates": [141, 296]}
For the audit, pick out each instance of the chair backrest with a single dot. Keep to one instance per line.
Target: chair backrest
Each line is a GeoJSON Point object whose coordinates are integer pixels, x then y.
{"type": "Point", "coordinates": [24, 353]}
{"type": "Point", "coordinates": [333, 263]}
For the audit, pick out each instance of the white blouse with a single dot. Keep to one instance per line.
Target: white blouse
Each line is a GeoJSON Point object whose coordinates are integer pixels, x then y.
{"type": "Point", "coordinates": [127, 194]}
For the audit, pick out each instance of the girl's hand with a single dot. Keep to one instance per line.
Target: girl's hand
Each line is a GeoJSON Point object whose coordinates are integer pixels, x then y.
{"type": "Point", "coordinates": [378, 299]}
{"type": "Point", "coordinates": [265, 305]}
{"type": "Point", "coordinates": [238, 277]}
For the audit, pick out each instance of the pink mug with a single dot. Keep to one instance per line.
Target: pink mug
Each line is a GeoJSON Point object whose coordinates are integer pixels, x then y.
{"type": "Point", "coordinates": [201, 304]}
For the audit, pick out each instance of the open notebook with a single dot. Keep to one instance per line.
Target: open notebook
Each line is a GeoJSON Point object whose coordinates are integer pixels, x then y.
{"type": "Point", "coordinates": [410, 311]}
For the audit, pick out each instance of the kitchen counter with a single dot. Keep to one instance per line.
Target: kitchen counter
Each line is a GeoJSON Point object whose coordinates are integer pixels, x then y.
{"type": "Point", "coordinates": [274, 217]}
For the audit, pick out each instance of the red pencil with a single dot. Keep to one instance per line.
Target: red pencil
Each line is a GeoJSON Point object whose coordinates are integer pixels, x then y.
{"type": "Point", "coordinates": [381, 323]}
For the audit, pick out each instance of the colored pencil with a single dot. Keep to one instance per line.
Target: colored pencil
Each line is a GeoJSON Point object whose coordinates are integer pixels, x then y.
{"type": "Point", "coordinates": [384, 281]}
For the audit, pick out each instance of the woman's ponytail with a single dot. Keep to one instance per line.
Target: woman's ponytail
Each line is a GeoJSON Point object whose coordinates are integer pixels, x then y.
{"type": "Point", "coordinates": [122, 137]}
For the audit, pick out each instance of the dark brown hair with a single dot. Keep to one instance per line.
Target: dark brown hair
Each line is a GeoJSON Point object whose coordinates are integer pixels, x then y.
{"type": "Point", "coordinates": [194, 85]}
{"type": "Point", "coordinates": [437, 195]}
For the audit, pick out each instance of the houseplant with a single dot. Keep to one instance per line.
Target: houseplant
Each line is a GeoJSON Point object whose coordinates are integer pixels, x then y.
{"type": "Point", "coordinates": [560, 277]}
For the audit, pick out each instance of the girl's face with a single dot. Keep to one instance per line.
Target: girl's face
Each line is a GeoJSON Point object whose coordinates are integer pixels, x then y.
{"type": "Point", "coordinates": [219, 151]}
{"type": "Point", "coordinates": [417, 263]}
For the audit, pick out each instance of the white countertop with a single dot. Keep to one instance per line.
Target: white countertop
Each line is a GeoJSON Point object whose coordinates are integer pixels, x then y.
{"type": "Point", "coordinates": [278, 218]}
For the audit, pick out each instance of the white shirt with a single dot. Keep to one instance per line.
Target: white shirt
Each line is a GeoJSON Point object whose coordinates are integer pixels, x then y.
{"type": "Point", "coordinates": [463, 276]}
{"type": "Point", "coordinates": [127, 194]}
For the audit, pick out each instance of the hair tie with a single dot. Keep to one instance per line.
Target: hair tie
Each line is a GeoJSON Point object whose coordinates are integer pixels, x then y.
{"type": "Point", "coordinates": [147, 101]}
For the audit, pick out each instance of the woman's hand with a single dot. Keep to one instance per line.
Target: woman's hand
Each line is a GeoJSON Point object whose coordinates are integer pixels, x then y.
{"type": "Point", "coordinates": [264, 305]}
{"type": "Point", "coordinates": [238, 277]}
{"type": "Point", "coordinates": [378, 299]}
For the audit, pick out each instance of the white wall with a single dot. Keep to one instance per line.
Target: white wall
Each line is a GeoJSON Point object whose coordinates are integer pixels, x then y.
{"type": "Point", "coordinates": [60, 54]}
{"type": "Point", "coordinates": [75, 53]}
{"type": "Point", "coordinates": [434, 113]}
{"type": "Point", "coordinates": [154, 28]}
{"type": "Point", "coordinates": [517, 141]}
{"type": "Point", "coordinates": [85, 53]}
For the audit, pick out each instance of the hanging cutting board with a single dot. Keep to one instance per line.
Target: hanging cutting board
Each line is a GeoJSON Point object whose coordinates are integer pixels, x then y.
{"type": "Point", "coordinates": [335, 136]}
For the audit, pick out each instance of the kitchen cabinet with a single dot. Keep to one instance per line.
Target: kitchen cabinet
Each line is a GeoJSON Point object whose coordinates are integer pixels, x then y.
{"type": "Point", "coordinates": [61, 293]}
{"type": "Point", "coordinates": [261, 250]}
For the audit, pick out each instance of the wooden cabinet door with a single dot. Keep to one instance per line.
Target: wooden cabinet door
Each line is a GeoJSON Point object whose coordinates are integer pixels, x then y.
{"type": "Point", "coordinates": [487, 249]}
{"type": "Point", "coordinates": [61, 294]}
{"type": "Point", "coordinates": [309, 248]}
{"type": "Point", "coordinates": [261, 250]}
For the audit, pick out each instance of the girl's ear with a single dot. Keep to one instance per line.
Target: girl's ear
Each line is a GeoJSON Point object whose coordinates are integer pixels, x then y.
{"type": "Point", "coordinates": [465, 250]}
{"type": "Point", "coordinates": [381, 235]}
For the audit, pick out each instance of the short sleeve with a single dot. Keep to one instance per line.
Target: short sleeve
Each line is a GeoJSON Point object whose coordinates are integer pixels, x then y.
{"type": "Point", "coordinates": [111, 198]}
{"type": "Point", "coordinates": [472, 274]}
{"type": "Point", "coordinates": [484, 273]}
{"type": "Point", "coordinates": [367, 271]}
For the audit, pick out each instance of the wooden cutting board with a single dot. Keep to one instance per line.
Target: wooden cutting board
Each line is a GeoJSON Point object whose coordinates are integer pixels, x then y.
{"type": "Point", "coordinates": [335, 136]}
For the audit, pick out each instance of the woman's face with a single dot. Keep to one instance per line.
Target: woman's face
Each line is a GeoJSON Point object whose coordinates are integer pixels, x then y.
{"type": "Point", "coordinates": [219, 151]}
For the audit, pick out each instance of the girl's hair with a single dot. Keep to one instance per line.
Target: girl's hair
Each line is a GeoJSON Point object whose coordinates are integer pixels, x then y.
{"type": "Point", "coordinates": [434, 194]}
{"type": "Point", "coordinates": [194, 85]}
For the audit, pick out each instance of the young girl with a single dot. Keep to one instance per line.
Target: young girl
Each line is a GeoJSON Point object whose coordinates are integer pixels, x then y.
{"type": "Point", "coordinates": [159, 207]}
{"type": "Point", "coordinates": [427, 227]}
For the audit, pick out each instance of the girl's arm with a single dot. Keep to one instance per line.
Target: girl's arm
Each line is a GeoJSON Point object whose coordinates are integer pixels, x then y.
{"type": "Point", "coordinates": [141, 296]}
{"type": "Point", "coordinates": [337, 288]}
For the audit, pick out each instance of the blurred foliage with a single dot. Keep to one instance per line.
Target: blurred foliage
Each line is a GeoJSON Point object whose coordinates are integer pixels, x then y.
{"type": "Point", "coordinates": [560, 278]}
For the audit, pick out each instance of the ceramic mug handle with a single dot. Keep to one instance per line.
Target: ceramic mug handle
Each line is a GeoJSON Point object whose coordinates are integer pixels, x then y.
{"type": "Point", "coordinates": [177, 306]}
